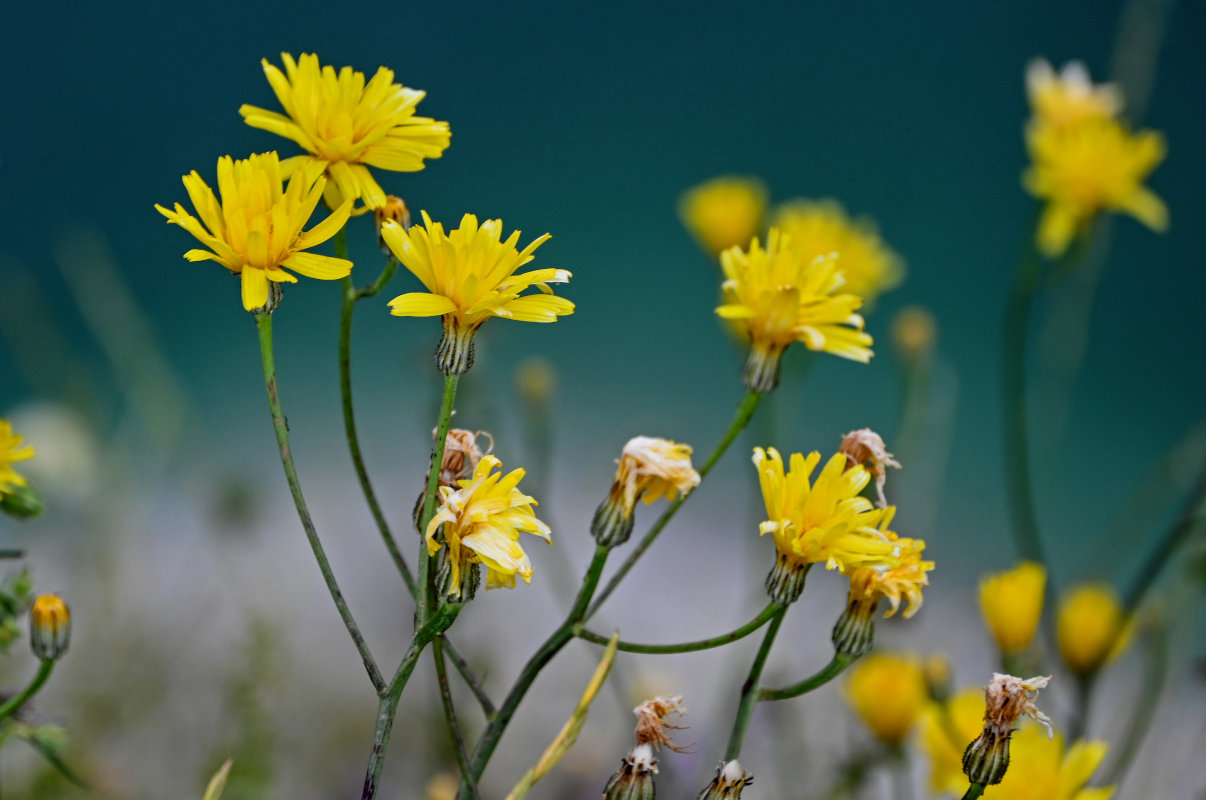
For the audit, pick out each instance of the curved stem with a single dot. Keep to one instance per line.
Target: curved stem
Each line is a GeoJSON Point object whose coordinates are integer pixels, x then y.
{"type": "Point", "coordinates": [974, 791]}
{"type": "Point", "coordinates": [742, 418]}
{"type": "Point", "coordinates": [454, 727]}
{"type": "Point", "coordinates": [14, 703]}
{"type": "Point", "coordinates": [471, 680]}
{"type": "Point", "coordinates": [424, 597]}
{"type": "Point", "coordinates": [1192, 515]}
{"type": "Point", "coordinates": [685, 647]}
{"type": "Point", "coordinates": [264, 324]}
{"type": "Point", "coordinates": [827, 673]}
{"type": "Point", "coordinates": [750, 693]}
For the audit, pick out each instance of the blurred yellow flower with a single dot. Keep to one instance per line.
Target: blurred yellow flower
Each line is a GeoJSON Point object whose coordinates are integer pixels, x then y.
{"type": "Point", "coordinates": [10, 452]}
{"type": "Point", "coordinates": [470, 277]}
{"type": "Point", "coordinates": [1012, 604]}
{"type": "Point", "coordinates": [651, 468]}
{"type": "Point", "coordinates": [1068, 98]}
{"type": "Point", "coordinates": [888, 692]}
{"type": "Point", "coordinates": [946, 730]}
{"type": "Point", "coordinates": [724, 212]}
{"type": "Point", "coordinates": [822, 227]}
{"type": "Point", "coordinates": [49, 627]}
{"type": "Point", "coordinates": [914, 332]}
{"type": "Point", "coordinates": [1039, 769]}
{"type": "Point", "coordinates": [1090, 628]}
{"type": "Point", "coordinates": [256, 229]}
{"type": "Point", "coordinates": [775, 299]}
{"type": "Point", "coordinates": [348, 126]}
{"type": "Point", "coordinates": [481, 523]}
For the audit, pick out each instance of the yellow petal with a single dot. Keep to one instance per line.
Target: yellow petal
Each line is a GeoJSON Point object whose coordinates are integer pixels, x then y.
{"type": "Point", "coordinates": [421, 304]}
{"type": "Point", "coordinates": [255, 288]}
{"type": "Point", "coordinates": [313, 265]}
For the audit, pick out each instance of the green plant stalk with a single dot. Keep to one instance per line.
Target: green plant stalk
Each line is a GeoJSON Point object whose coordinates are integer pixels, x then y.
{"type": "Point", "coordinates": [685, 647]}
{"type": "Point", "coordinates": [470, 678]}
{"type": "Point", "coordinates": [973, 791]}
{"type": "Point", "coordinates": [425, 597]}
{"type": "Point", "coordinates": [15, 702]}
{"type": "Point", "coordinates": [745, 412]}
{"type": "Point", "coordinates": [498, 725]}
{"type": "Point", "coordinates": [263, 322]}
{"type": "Point", "coordinates": [827, 673]}
{"type": "Point", "coordinates": [454, 727]}
{"type": "Point", "coordinates": [1192, 515]}
{"type": "Point", "coordinates": [750, 692]}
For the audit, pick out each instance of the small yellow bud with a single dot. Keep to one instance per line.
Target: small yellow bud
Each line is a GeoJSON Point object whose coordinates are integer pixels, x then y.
{"type": "Point", "coordinates": [914, 332]}
{"type": "Point", "coordinates": [1012, 604]}
{"type": "Point", "coordinates": [394, 209]}
{"type": "Point", "coordinates": [888, 692]}
{"type": "Point", "coordinates": [724, 212]}
{"type": "Point", "coordinates": [1090, 628]}
{"type": "Point", "coordinates": [49, 627]}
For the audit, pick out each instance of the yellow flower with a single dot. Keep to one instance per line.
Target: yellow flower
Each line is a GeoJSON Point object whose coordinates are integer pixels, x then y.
{"type": "Point", "coordinates": [11, 451]}
{"type": "Point", "coordinates": [723, 212]}
{"type": "Point", "coordinates": [822, 227]}
{"type": "Point", "coordinates": [775, 298]}
{"type": "Point", "coordinates": [1012, 604]}
{"type": "Point", "coordinates": [348, 126]}
{"type": "Point", "coordinates": [650, 468]}
{"type": "Point", "coordinates": [888, 692]}
{"type": "Point", "coordinates": [482, 521]}
{"type": "Point", "coordinates": [470, 277]}
{"type": "Point", "coordinates": [1081, 170]}
{"type": "Point", "coordinates": [946, 730]}
{"type": "Point", "coordinates": [822, 521]}
{"type": "Point", "coordinates": [257, 227]}
{"type": "Point", "coordinates": [902, 582]}
{"type": "Point", "coordinates": [49, 627]}
{"type": "Point", "coordinates": [1090, 628]}
{"type": "Point", "coordinates": [1039, 769]}
{"type": "Point", "coordinates": [1068, 98]}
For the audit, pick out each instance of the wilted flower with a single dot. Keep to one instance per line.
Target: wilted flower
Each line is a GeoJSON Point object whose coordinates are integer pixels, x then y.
{"type": "Point", "coordinates": [49, 627]}
{"type": "Point", "coordinates": [1012, 604]}
{"type": "Point", "coordinates": [634, 781]}
{"type": "Point", "coordinates": [651, 724]}
{"type": "Point", "coordinates": [649, 468]}
{"type": "Point", "coordinates": [728, 784]}
{"type": "Point", "coordinates": [888, 692]}
{"type": "Point", "coordinates": [1006, 699]}
{"type": "Point", "coordinates": [867, 447]}
{"type": "Point", "coordinates": [723, 212]}
{"type": "Point", "coordinates": [348, 126]}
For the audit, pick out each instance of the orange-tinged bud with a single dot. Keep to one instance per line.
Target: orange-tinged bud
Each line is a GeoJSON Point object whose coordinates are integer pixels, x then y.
{"type": "Point", "coordinates": [49, 627]}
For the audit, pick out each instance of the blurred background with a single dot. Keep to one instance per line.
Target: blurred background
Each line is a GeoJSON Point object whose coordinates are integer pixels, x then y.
{"type": "Point", "coordinates": [202, 629]}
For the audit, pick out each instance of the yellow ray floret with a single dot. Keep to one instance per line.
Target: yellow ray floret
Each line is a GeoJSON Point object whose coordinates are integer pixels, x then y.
{"type": "Point", "coordinates": [348, 125]}
{"type": "Point", "coordinates": [482, 521]}
{"type": "Point", "coordinates": [824, 521]}
{"type": "Point", "coordinates": [10, 452]}
{"type": "Point", "coordinates": [470, 274]}
{"type": "Point", "coordinates": [1069, 97]}
{"type": "Point", "coordinates": [256, 228]}
{"type": "Point", "coordinates": [821, 227]}
{"type": "Point", "coordinates": [898, 583]}
{"type": "Point", "coordinates": [778, 299]}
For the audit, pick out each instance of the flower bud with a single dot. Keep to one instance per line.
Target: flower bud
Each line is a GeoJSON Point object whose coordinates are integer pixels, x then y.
{"type": "Point", "coordinates": [49, 627]}
{"type": "Point", "coordinates": [727, 785]}
{"type": "Point", "coordinates": [854, 633]}
{"type": "Point", "coordinates": [634, 781]}
{"type": "Point", "coordinates": [394, 209]}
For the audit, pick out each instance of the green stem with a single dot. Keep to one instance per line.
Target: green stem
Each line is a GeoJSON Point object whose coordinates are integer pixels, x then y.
{"type": "Point", "coordinates": [454, 727]}
{"type": "Point", "coordinates": [14, 703]}
{"type": "Point", "coordinates": [827, 673]}
{"type": "Point", "coordinates": [550, 648]}
{"type": "Point", "coordinates": [1191, 516]}
{"type": "Point", "coordinates": [750, 693]}
{"type": "Point", "coordinates": [974, 791]}
{"type": "Point", "coordinates": [264, 324]}
{"type": "Point", "coordinates": [425, 598]}
{"type": "Point", "coordinates": [685, 647]}
{"type": "Point", "coordinates": [470, 678]}
{"type": "Point", "coordinates": [1080, 719]}
{"type": "Point", "coordinates": [742, 418]}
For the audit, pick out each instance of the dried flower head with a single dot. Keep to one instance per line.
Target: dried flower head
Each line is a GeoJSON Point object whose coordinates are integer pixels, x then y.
{"type": "Point", "coordinates": [634, 780]}
{"type": "Point", "coordinates": [651, 724]}
{"type": "Point", "coordinates": [649, 468]}
{"type": "Point", "coordinates": [867, 447]}
{"type": "Point", "coordinates": [1006, 699]}
{"type": "Point", "coordinates": [728, 784]}
{"type": "Point", "coordinates": [461, 455]}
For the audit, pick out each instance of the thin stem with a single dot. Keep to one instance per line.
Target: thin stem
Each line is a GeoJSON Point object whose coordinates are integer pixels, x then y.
{"type": "Point", "coordinates": [471, 680]}
{"type": "Point", "coordinates": [1191, 516]}
{"type": "Point", "coordinates": [264, 324]}
{"type": "Point", "coordinates": [1080, 719]}
{"type": "Point", "coordinates": [750, 693]}
{"type": "Point", "coordinates": [494, 730]}
{"type": "Point", "coordinates": [685, 647]}
{"type": "Point", "coordinates": [424, 598]}
{"type": "Point", "coordinates": [827, 673]}
{"type": "Point", "coordinates": [742, 418]}
{"type": "Point", "coordinates": [14, 703]}
{"type": "Point", "coordinates": [454, 727]}
{"type": "Point", "coordinates": [973, 791]}
{"type": "Point", "coordinates": [1145, 709]}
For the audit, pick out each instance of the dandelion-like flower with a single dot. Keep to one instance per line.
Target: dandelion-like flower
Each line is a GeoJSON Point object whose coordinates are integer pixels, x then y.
{"type": "Point", "coordinates": [481, 523]}
{"type": "Point", "coordinates": [1069, 97]}
{"type": "Point", "coordinates": [256, 229]}
{"type": "Point", "coordinates": [1006, 700]}
{"type": "Point", "coordinates": [888, 692]}
{"type": "Point", "coordinates": [867, 447]}
{"type": "Point", "coordinates": [723, 212]}
{"type": "Point", "coordinates": [1090, 628]}
{"type": "Point", "coordinates": [649, 468]}
{"type": "Point", "coordinates": [728, 784]}
{"type": "Point", "coordinates": [462, 454]}
{"type": "Point", "coordinates": [11, 451]}
{"type": "Point", "coordinates": [348, 125]}
{"type": "Point", "coordinates": [825, 520]}
{"type": "Point", "coordinates": [775, 299]}
{"type": "Point", "coordinates": [1012, 605]}
{"type": "Point", "coordinates": [470, 277]}
{"type": "Point", "coordinates": [49, 627]}
{"type": "Point", "coordinates": [821, 227]}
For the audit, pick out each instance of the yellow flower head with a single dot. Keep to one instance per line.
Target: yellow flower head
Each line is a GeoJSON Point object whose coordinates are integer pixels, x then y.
{"type": "Point", "coordinates": [49, 627]}
{"type": "Point", "coordinates": [1084, 169]}
{"type": "Point", "coordinates": [1040, 769]}
{"type": "Point", "coordinates": [723, 212]}
{"type": "Point", "coordinates": [822, 227]}
{"type": "Point", "coordinates": [648, 467]}
{"type": "Point", "coordinates": [775, 298]}
{"type": "Point", "coordinates": [888, 692]}
{"type": "Point", "coordinates": [1068, 98]}
{"type": "Point", "coordinates": [1012, 604]}
{"type": "Point", "coordinates": [868, 585]}
{"type": "Point", "coordinates": [256, 229]}
{"type": "Point", "coordinates": [946, 729]}
{"type": "Point", "coordinates": [11, 451]}
{"type": "Point", "coordinates": [482, 521]}
{"type": "Point", "coordinates": [1090, 628]}
{"type": "Point", "coordinates": [348, 126]}
{"type": "Point", "coordinates": [470, 277]}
